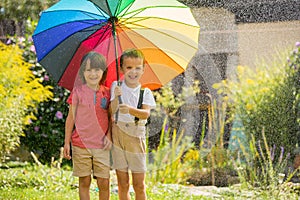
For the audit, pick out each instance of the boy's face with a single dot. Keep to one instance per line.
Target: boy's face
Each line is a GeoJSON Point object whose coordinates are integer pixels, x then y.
{"type": "Point", "coordinates": [132, 69]}
{"type": "Point", "coordinates": [92, 76]}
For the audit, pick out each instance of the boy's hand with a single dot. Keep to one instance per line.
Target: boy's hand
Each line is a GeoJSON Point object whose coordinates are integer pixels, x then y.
{"type": "Point", "coordinates": [67, 151]}
{"type": "Point", "coordinates": [124, 109]}
{"type": "Point", "coordinates": [117, 91]}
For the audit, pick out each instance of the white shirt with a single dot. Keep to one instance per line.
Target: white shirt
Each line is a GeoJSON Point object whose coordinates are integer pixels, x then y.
{"type": "Point", "coordinates": [130, 96]}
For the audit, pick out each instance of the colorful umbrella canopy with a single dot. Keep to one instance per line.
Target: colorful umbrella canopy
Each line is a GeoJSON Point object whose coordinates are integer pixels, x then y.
{"type": "Point", "coordinates": [164, 30]}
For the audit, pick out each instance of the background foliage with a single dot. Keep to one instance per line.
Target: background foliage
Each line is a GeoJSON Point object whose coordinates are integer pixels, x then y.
{"type": "Point", "coordinates": [20, 92]}
{"type": "Point", "coordinates": [267, 100]}
{"type": "Point", "coordinates": [48, 126]}
{"type": "Point", "coordinates": [23, 9]}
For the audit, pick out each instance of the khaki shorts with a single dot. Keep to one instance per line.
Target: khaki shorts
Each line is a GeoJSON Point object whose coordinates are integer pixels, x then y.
{"type": "Point", "coordinates": [129, 148]}
{"type": "Point", "coordinates": [90, 161]}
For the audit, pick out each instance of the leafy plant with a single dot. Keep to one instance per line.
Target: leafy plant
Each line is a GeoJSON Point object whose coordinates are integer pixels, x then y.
{"type": "Point", "coordinates": [20, 92]}
{"type": "Point", "coordinates": [24, 9]}
{"type": "Point", "coordinates": [260, 170]}
{"type": "Point", "coordinates": [169, 102]}
{"type": "Point", "coordinates": [211, 163]}
{"type": "Point", "coordinates": [43, 135]}
{"type": "Point", "coordinates": [166, 166]}
{"type": "Point", "coordinates": [267, 99]}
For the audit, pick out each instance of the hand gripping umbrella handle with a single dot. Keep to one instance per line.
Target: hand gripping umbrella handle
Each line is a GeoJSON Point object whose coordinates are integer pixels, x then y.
{"type": "Point", "coordinates": [120, 102]}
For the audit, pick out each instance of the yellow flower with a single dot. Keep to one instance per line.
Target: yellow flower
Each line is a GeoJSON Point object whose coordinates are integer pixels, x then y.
{"type": "Point", "coordinates": [264, 90]}
{"type": "Point", "coordinates": [192, 155]}
{"type": "Point", "coordinates": [249, 106]}
{"type": "Point", "coordinates": [240, 70]}
{"type": "Point", "coordinates": [250, 81]}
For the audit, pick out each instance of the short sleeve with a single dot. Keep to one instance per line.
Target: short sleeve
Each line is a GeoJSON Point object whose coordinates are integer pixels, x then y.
{"type": "Point", "coordinates": [148, 98]}
{"type": "Point", "coordinates": [112, 90]}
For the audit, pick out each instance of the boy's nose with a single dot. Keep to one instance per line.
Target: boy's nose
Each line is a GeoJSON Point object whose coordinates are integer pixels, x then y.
{"type": "Point", "coordinates": [133, 70]}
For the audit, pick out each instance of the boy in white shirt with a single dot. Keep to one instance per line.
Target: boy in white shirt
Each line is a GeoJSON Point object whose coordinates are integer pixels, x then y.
{"type": "Point", "coordinates": [128, 132]}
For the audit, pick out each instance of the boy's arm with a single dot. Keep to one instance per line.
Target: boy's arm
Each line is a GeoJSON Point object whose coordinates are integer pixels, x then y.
{"type": "Point", "coordinates": [108, 138]}
{"type": "Point", "coordinates": [114, 104]}
{"type": "Point", "coordinates": [68, 132]}
{"type": "Point", "coordinates": [142, 113]}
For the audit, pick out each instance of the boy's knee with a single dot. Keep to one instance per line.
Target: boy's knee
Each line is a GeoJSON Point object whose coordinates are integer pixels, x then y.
{"type": "Point", "coordinates": [85, 181]}
{"type": "Point", "coordinates": [124, 185]}
{"type": "Point", "coordinates": [103, 184]}
{"type": "Point", "coordinates": [139, 187]}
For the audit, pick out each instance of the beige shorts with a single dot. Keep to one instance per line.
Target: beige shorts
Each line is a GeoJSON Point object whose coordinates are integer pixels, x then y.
{"type": "Point", "coordinates": [129, 151]}
{"type": "Point", "coordinates": [90, 161]}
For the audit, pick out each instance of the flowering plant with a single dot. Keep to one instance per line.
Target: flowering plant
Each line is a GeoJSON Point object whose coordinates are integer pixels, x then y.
{"type": "Point", "coordinates": [43, 135]}
{"type": "Point", "coordinates": [267, 99]}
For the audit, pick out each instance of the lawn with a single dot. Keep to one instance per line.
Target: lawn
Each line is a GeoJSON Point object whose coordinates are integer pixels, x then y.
{"type": "Point", "coordinates": [33, 182]}
{"type": "Point", "coordinates": [36, 182]}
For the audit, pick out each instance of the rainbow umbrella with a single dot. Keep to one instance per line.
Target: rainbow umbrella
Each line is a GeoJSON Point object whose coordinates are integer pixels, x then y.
{"type": "Point", "coordinates": [164, 30]}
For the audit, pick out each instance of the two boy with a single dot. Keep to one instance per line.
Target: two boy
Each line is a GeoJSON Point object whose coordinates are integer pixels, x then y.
{"type": "Point", "coordinates": [128, 130]}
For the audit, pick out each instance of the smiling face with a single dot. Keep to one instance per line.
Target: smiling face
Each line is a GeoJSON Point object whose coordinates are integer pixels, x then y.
{"type": "Point", "coordinates": [92, 76]}
{"type": "Point", "coordinates": [133, 69]}
{"type": "Point", "coordinates": [93, 69]}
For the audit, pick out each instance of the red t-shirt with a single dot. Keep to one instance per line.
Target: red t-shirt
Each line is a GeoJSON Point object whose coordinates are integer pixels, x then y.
{"type": "Point", "coordinates": [91, 116]}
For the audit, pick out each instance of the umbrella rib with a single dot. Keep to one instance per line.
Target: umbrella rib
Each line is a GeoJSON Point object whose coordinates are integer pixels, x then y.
{"type": "Point", "coordinates": [155, 30]}
{"type": "Point", "coordinates": [138, 19]}
{"type": "Point", "coordinates": [99, 9]}
{"type": "Point", "coordinates": [137, 11]}
{"type": "Point", "coordinates": [102, 35]}
{"type": "Point", "coordinates": [128, 7]}
{"type": "Point", "coordinates": [132, 43]}
{"type": "Point", "coordinates": [128, 38]}
{"type": "Point", "coordinates": [102, 14]}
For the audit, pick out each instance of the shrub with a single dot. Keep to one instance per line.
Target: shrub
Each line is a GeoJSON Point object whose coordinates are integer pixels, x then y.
{"type": "Point", "coordinates": [44, 135]}
{"type": "Point", "coordinates": [20, 92]}
{"type": "Point", "coordinates": [166, 166]}
{"type": "Point", "coordinates": [267, 99]}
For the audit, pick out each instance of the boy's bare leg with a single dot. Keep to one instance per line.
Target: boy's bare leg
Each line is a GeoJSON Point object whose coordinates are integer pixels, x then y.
{"type": "Point", "coordinates": [103, 185]}
{"type": "Point", "coordinates": [84, 187]}
{"type": "Point", "coordinates": [123, 185]}
{"type": "Point", "coordinates": [138, 181]}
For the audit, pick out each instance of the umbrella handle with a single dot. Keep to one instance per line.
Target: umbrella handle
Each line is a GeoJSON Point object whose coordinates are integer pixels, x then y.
{"type": "Point", "coordinates": [117, 113]}
{"type": "Point", "coordinates": [120, 99]}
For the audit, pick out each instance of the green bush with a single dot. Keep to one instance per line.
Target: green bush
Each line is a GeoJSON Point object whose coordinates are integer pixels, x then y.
{"type": "Point", "coordinates": [167, 166]}
{"type": "Point", "coordinates": [43, 135]}
{"type": "Point", "coordinates": [267, 100]}
{"type": "Point", "coordinates": [20, 92]}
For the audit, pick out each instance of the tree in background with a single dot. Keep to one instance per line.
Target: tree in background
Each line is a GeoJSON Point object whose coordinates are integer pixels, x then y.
{"type": "Point", "coordinates": [14, 13]}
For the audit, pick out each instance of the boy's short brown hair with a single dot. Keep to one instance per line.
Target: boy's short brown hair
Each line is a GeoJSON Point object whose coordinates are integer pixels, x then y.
{"type": "Point", "coordinates": [98, 61]}
{"type": "Point", "coordinates": [132, 53]}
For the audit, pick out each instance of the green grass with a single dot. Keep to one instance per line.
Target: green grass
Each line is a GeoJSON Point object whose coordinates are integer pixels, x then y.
{"type": "Point", "coordinates": [34, 194]}
{"type": "Point", "coordinates": [33, 182]}
{"type": "Point", "coordinates": [71, 194]}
